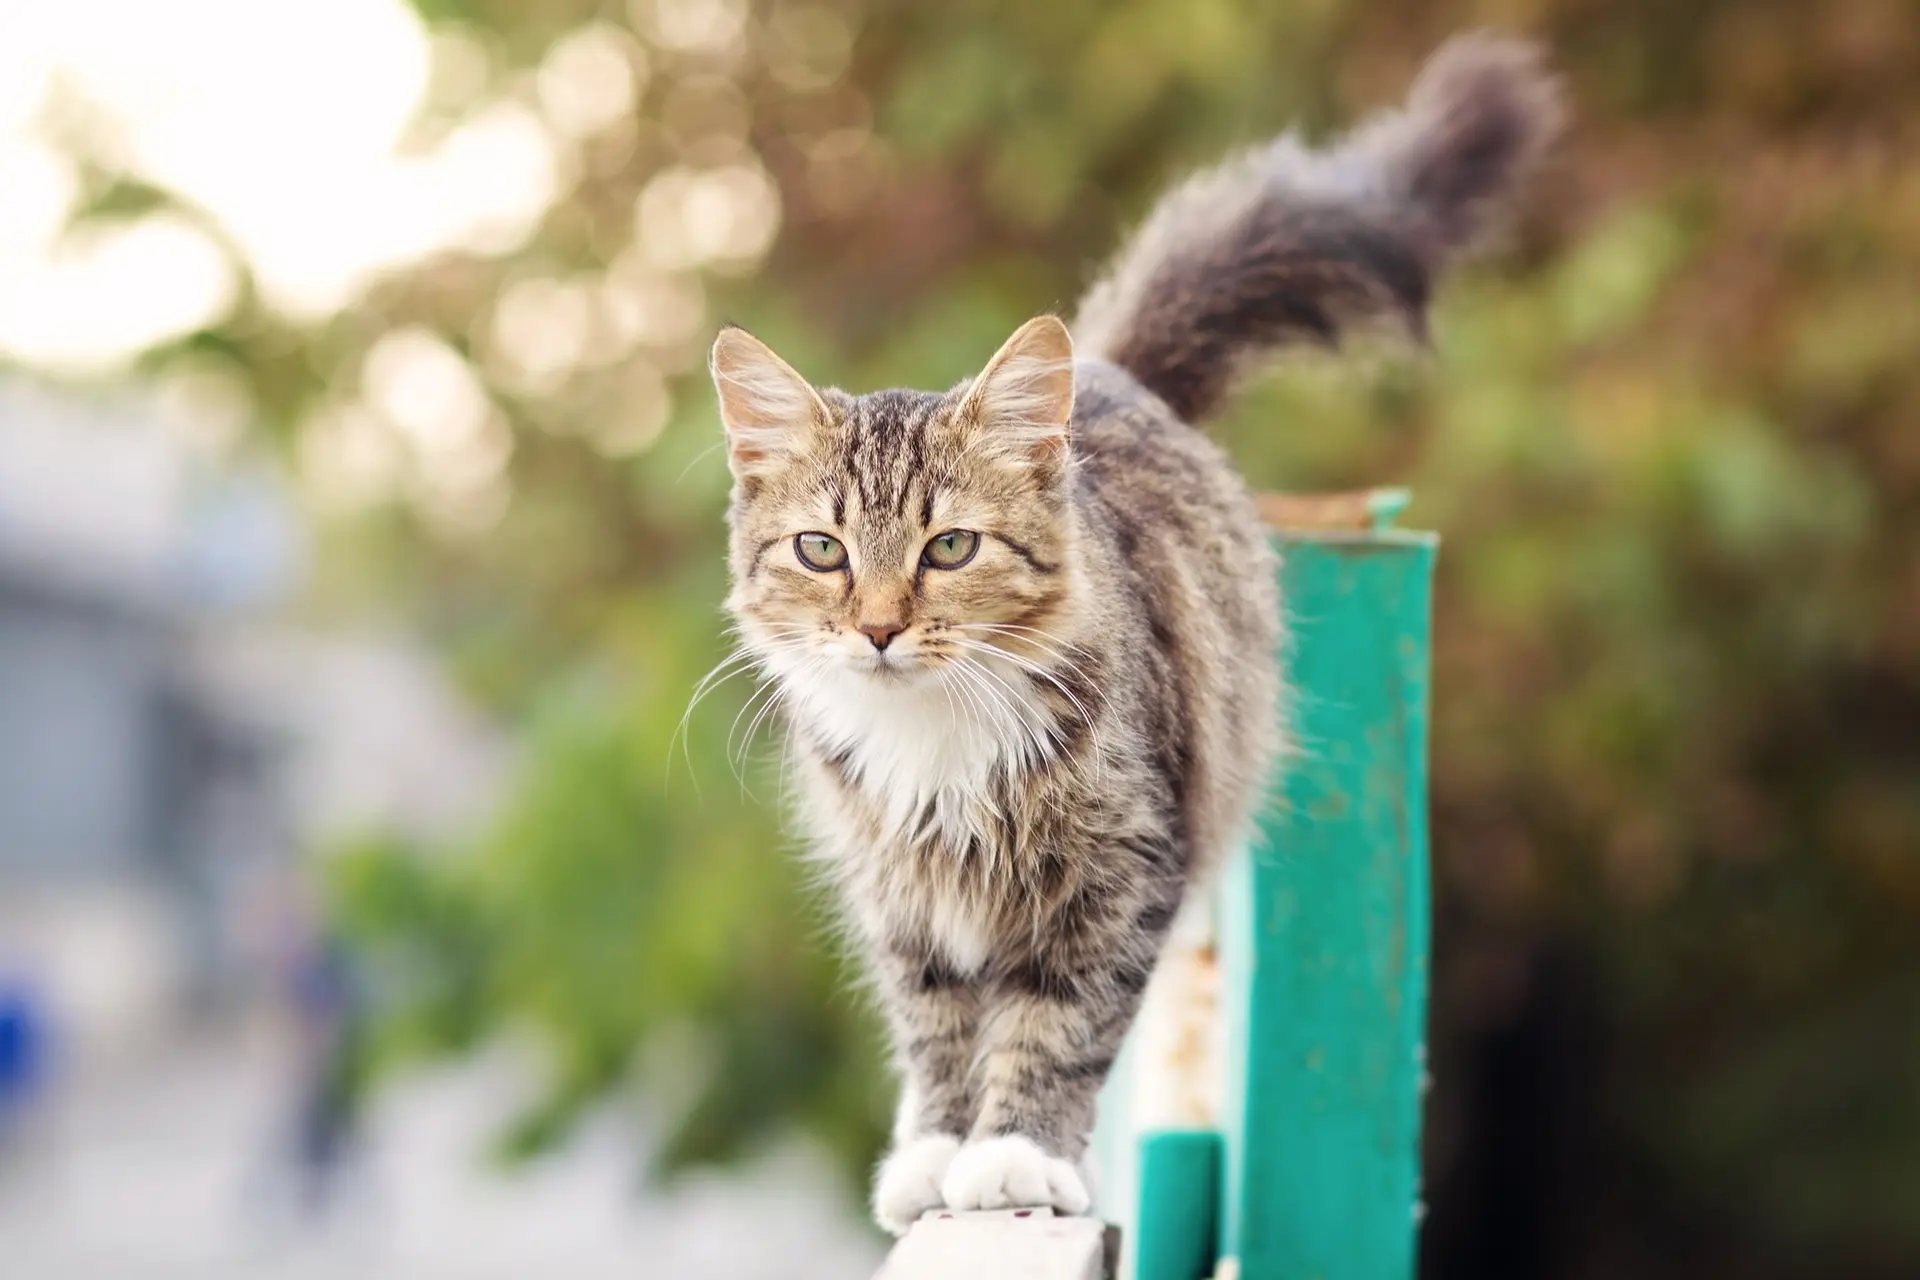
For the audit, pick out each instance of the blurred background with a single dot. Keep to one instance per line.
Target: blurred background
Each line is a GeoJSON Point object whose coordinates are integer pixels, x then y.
{"type": "Point", "coordinates": [366, 903]}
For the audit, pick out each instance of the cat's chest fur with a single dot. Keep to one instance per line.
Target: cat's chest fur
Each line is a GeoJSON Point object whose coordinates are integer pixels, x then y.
{"type": "Point", "coordinates": [914, 805]}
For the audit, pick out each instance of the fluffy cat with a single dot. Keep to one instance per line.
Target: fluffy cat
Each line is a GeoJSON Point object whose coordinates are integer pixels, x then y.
{"type": "Point", "coordinates": [1024, 631]}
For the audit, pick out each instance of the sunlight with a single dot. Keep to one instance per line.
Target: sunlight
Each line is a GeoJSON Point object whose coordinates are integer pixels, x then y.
{"type": "Point", "coordinates": [349, 459]}
{"type": "Point", "coordinates": [644, 407]}
{"type": "Point", "coordinates": [652, 308]}
{"type": "Point", "coordinates": [421, 385]}
{"type": "Point", "coordinates": [541, 329]}
{"type": "Point", "coordinates": [284, 122]}
{"type": "Point", "coordinates": [590, 79]}
{"type": "Point", "coordinates": [105, 294]}
{"type": "Point", "coordinates": [40, 187]}
{"type": "Point", "coordinates": [693, 26]}
{"type": "Point", "coordinates": [725, 216]}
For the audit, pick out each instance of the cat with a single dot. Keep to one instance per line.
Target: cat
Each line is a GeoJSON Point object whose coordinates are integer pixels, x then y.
{"type": "Point", "coordinates": [1024, 632]}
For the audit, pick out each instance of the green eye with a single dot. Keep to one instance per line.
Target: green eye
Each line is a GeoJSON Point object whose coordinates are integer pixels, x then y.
{"type": "Point", "coordinates": [820, 551]}
{"type": "Point", "coordinates": [951, 549]}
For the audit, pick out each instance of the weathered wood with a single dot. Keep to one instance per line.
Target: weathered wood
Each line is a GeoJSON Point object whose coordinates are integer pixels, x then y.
{"type": "Point", "coordinates": [1165, 1097]}
{"type": "Point", "coordinates": [1359, 511]}
{"type": "Point", "coordinates": [1010, 1244]}
{"type": "Point", "coordinates": [1323, 931]}
{"type": "Point", "coordinates": [1321, 936]}
{"type": "Point", "coordinates": [1175, 1235]}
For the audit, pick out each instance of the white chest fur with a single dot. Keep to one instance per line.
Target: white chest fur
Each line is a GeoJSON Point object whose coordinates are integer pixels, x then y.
{"type": "Point", "coordinates": [911, 745]}
{"type": "Point", "coordinates": [923, 755]}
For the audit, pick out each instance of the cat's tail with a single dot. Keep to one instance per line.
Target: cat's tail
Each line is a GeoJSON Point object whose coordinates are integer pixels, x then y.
{"type": "Point", "coordinates": [1285, 244]}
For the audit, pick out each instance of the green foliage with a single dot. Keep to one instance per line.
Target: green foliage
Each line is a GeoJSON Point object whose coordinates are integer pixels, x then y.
{"type": "Point", "coordinates": [612, 907]}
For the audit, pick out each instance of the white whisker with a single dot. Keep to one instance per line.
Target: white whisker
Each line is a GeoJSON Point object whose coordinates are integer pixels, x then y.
{"type": "Point", "coordinates": [1092, 686]}
{"type": "Point", "coordinates": [1086, 716]}
{"type": "Point", "coordinates": [1009, 698]}
{"type": "Point", "coordinates": [738, 662]}
{"type": "Point", "coordinates": [769, 686]}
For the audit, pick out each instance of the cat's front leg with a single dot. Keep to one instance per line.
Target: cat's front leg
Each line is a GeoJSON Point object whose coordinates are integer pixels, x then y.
{"type": "Point", "coordinates": [1049, 1034]}
{"type": "Point", "coordinates": [933, 1014]}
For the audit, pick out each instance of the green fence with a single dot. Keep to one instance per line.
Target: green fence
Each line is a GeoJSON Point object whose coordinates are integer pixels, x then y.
{"type": "Point", "coordinates": [1300, 1158]}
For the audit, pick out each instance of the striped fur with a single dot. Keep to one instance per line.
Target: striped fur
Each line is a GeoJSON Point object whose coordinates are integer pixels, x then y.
{"type": "Point", "coordinates": [1063, 732]}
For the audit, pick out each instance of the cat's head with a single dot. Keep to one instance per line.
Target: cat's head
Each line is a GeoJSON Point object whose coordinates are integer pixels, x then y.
{"type": "Point", "coordinates": [890, 535]}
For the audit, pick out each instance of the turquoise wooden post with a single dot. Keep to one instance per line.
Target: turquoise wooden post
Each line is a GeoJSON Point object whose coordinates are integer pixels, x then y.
{"type": "Point", "coordinates": [1174, 1226]}
{"type": "Point", "coordinates": [1321, 947]}
{"type": "Point", "coordinates": [1323, 929]}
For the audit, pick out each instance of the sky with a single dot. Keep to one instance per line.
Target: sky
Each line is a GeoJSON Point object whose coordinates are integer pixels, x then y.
{"type": "Point", "coordinates": [283, 121]}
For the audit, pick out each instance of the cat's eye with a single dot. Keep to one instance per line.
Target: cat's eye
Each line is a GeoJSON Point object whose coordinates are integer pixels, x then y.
{"type": "Point", "coordinates": [951, 549]}
{"type": "Point", "coordinates": [820, 551]}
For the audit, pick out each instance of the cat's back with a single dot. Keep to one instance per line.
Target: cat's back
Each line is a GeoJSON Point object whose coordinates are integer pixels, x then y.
{"type": "Point", "coordinates": [1131, 450]}
{"type": "Point", "coordinates": [1184, 576]}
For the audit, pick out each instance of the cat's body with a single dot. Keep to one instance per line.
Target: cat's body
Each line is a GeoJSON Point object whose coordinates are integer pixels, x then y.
{"type": "Point", "coordinates": [1026, 631]}
{"type": "Point", "coordinates": [1014, 880]}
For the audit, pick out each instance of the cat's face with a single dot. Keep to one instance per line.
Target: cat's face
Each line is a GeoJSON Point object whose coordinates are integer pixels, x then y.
{"type": "Point", "coordinates": [892, 535]}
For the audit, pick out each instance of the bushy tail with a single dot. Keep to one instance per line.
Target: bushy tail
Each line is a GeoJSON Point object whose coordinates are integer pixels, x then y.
{"type": "Point", "coordinates": [1284, 244]}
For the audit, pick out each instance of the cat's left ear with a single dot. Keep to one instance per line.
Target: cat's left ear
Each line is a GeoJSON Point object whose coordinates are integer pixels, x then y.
{"type": "Point", "coordinates": [767, 408]}
{"type": "Point", "coordinates": [1024, 397]}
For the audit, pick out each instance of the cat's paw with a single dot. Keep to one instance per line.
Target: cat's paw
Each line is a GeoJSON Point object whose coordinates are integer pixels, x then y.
{"type": "Point", "coordinates": [1012, 1172]}
{"type": "Point", "coordinates": [909, 1181]}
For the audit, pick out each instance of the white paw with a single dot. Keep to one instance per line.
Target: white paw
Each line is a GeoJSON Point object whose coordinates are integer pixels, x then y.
{"type": "Point", "coordinates": [1011, 1172]}
{"type": "Point", "coordinates": [909, 1181]}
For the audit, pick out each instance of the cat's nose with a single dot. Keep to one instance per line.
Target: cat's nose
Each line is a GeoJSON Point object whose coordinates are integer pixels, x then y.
{"type": "Point", "coordinates": [881, 633]}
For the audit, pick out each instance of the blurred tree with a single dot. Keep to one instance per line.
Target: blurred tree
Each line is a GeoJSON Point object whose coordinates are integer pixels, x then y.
{"type": "Point", "coordinates": [1669, 440]}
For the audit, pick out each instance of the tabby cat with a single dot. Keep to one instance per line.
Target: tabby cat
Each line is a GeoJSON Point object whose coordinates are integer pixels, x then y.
{"type": "Point", "coordinates": [1023, 632]}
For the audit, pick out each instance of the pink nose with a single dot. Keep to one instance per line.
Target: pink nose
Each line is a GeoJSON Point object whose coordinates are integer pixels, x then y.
{"type": "Point", "coordinates": [881, 633]}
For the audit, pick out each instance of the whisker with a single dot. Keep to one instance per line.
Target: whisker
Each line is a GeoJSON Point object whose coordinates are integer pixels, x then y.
{"type": "Point", "coordinates": [698, 458]}
{"type": "Point", "coordinates": [1018, 627]}
{"type": "Point", "coordinates": [726, 669]}
{"type": "Point", "coordinates": [746, 742]}
{"type": "Point", "coordinates": [1009, 698]}
{"type": "Point", "coordinates": [981, 678]}
{"type": "Point", "coordinates": [782, 693]}
{"type": "Point", "coordinates": [736, 663]}
{"type": "Point", "coordinates": [1092, 686]}
{"type": "Point", "coordinates": [770, 685]}
{"type": "Point", "coordinates": [968, 702]}
{"type": "Point", "coordinates": [1086, 716]}
{"type": "Point", "coordinates": [1043, 640]}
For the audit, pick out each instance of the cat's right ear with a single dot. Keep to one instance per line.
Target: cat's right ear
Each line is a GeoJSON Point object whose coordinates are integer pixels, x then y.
{"type": "Point", "coordinates": [1024, 397]}
{"type": "Point", "coordinates": [767, 408]}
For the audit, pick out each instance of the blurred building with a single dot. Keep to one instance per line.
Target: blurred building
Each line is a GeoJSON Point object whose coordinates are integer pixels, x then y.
{"type": "Point", "coordinates": [167, 746]}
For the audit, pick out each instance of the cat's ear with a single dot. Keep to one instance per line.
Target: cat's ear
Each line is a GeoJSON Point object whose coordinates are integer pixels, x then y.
{"type": "Point", "coordinates": [1024, 396]}
{"type": "Point", "coordinates": [767, 408]}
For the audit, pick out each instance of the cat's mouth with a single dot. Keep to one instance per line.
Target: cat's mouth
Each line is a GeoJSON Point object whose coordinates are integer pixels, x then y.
{"type": "Point", "coordinates": [892, 666]}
